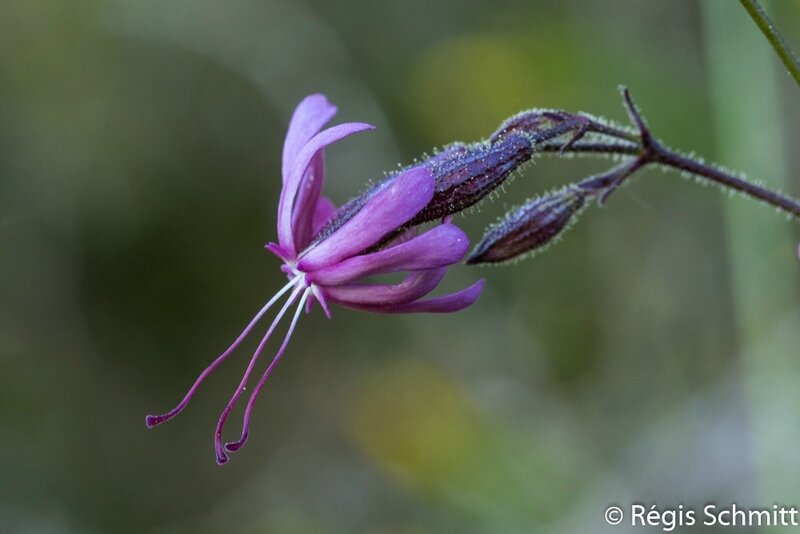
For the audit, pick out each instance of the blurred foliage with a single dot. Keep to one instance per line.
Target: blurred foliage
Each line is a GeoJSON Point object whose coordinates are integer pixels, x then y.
{"type": "Point", "coordinates": [139, 171]}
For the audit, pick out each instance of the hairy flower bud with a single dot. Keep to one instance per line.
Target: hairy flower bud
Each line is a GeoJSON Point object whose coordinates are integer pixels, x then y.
{"type": "Point", "coordinates": [538, 125]}
{"type": "Point", "coordinates": [530, 227]}
{"type": "Point", "coordinates": [463, 176]}
{"type": "Point", "coordinates": [472, 172]}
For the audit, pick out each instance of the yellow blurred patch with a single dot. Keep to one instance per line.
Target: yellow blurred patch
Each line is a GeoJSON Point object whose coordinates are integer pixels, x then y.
{"type": "Point", "coordinates": [463, 88]}
{"type": "Point", "coordinates": [416, 423]}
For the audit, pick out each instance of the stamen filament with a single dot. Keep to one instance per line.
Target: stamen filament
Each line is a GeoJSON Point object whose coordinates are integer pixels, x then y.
{"type": "Point", "coordinates": [236, 445]}
{"type": "Point", "coordinates": [154, 420]}
{"type": "Point", "coordinates": [221, 458]}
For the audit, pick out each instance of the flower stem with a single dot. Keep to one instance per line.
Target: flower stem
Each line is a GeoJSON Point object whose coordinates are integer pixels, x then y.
{"type": "Point", "coordinates": [648, 150]}
{"type": "Point", "coordinates": [654, 152]}
{"type": "Point", "coordinates": [774, 37]}
{"type": "Point", "coordinates": [686, 164]}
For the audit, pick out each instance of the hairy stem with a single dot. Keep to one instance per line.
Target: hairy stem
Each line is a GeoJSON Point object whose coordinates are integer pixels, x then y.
{"type": "Point", "coordinates": [648, 151]}
{"type": "Point", "coordinates": [774, 37]}
{"type": "Point", "coordinates": [686, 164]}
{"type": "Point", "coordinates": [594, 148]}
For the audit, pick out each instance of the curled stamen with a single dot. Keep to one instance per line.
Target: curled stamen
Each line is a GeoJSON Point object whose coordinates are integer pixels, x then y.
{"type": "Point", "coordinates": [221, 458]}
{"type": "Point", "coordinates": [236, 445]}
{"type": "Point", "coordinates": [154, 420]}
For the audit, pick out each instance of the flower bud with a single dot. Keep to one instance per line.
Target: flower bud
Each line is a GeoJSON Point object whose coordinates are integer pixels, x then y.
{"type": "Point", "coordinates": [530, 227]}
{"type": "Point", "coordinates": [541, 125]}
{"type": "Point", "coordinates": [466, 174]}
{"type": "Point", "coordinates": [529, 122]}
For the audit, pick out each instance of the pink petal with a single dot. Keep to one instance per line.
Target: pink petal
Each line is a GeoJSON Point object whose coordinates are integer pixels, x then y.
{"type": "Point", "coordinates": [278, 251]}
{"type": "Point", "coordinates": [325, 210]}
{"type": "Point", "coordinates": [439, 247]}
{"type": "Point", "coordinates": [292, 184]}
{"type": "Point", "coordinates": [445, 304]}
{"type": "Point", "coordinates": [309, 117]}
{"type": "Point", "coordinates": [305, 205]}
{"type": "Point", "coordinates": [416, 285]}
{"type": "Point", "coordinates": [391, 207]}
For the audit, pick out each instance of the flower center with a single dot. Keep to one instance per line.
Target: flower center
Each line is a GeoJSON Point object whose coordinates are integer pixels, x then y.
{"type": "Point", "coordinates": [301, 277]}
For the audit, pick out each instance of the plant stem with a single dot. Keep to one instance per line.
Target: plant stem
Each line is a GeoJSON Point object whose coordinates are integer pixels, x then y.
{"type": "Point", "coordinates": [648, 150]}
{"type": "Point", "coordinates": [597, 148]}
{"type": "Point", "coordinates": [654, 152]}
{"type": "Point", "coordinates": [684, 163]}
{"type": "Point", "coordinates": [774, 37]}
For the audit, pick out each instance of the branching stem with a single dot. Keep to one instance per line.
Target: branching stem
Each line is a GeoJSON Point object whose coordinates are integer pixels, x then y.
{"type": "Point", "coordinates": [647, 150]}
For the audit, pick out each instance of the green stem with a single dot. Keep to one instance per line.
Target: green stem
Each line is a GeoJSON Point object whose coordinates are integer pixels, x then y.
{"type": "Point", "coordinates": [774, 37]}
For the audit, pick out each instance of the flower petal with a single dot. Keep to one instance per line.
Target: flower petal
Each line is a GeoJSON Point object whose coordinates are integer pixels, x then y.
{"type": "Point", "coordinates": [387, 210]}
{"type": "Point", "coordinates": [278, 251]}
{"type": "Point", "coordinates": [325, 210]}
{"type": "Point", "coordinates": [305, 204]}
{"type": "Point", "coordinates": [298, 170]}
{"type": "Point", "coordinates": [441, 246]}
{"type": "Point", "coordinates": [445, 304]}
{"type": "Point", "coordinates": [309, 117]}
{"type": "Point", "coordinates": [416, 285]}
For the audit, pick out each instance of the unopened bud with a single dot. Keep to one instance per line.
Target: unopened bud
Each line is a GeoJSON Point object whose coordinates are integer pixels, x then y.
{"type": "Point", "coordinates": [541, 125]}
{"type": "Point", "coordinates": [530, 227]}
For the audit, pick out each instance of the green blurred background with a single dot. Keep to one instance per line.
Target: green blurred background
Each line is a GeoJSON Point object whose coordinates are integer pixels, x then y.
{"type": "Point", "coordinates": [650, 357]}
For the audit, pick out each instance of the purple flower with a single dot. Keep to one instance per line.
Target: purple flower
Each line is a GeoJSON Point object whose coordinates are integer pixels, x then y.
{"type": "Point", "coordinates": [329, 267]}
